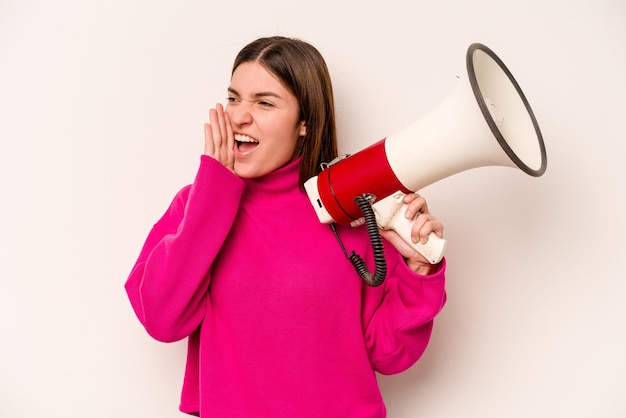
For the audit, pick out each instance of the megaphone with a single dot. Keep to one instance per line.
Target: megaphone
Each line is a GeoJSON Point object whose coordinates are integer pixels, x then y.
{"type": "Point", "coordinates": [484, 121]}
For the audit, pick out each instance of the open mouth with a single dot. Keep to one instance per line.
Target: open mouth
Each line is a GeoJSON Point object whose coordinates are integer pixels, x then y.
{"type": "Point", "coordinates": [245, 143]}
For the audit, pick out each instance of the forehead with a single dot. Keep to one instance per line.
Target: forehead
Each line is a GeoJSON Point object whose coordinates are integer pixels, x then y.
{"type": "Point", "coordinates": [252, 78]}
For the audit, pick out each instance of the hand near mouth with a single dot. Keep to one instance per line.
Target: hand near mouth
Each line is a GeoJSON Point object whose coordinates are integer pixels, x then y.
{"type": "Point", "coordinates": [219, 141]}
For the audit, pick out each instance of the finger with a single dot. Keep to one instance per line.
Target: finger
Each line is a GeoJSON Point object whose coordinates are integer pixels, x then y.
{"type": "Point", "coordinates": [216, 132]}
{"type": "Point", "coordinates": [209, 146]}
{"type": "Point", "coordinates": [437, 227]}
{"type": "Point", "coordinates": [409, 197]}
{"type": "Point", "coordinates": [416, 204]}
{"type": "Point", "coordinates": [222, 123]}
{"type": "Point", "coordinates": [417, 227]}
{"type": "Point", "coordinates": [230, 137]}
{"type": "Point", "coordinates": [423, 226]}
{"type": "Point", "coordinates": [357, 222]}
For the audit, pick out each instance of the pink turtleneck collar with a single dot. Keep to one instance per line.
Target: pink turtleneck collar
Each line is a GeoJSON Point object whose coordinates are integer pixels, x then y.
{"type": "Point", "coordinates": [280, 182]}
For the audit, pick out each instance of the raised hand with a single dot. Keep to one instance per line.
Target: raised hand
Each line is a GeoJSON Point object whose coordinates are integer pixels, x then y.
{"type": "Point", "coordinates": [219, 141]}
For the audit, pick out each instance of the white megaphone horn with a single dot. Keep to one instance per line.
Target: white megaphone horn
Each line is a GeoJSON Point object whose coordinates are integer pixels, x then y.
{"type": "Point", "coordinates": [484, 121]}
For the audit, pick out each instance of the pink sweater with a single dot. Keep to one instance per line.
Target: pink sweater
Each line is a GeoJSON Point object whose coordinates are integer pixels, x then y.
{"type": "Point", "coordinates": [278, 322]}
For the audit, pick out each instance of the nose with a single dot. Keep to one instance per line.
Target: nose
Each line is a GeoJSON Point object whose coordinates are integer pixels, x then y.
{"type": "Point", "coordinates": [239, 114]}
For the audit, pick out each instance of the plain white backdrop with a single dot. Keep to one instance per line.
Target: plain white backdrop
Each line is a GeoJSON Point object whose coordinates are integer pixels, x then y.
{"type": "Point", "coordinates": [102, 105]}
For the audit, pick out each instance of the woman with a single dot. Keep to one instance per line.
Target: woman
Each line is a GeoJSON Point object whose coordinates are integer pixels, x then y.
{"type": "Point", "coordinates": [278, 322]}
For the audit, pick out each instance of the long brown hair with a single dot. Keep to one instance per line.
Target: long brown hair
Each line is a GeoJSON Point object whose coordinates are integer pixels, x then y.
{"type": "Point", "coordinates": [302, 69]}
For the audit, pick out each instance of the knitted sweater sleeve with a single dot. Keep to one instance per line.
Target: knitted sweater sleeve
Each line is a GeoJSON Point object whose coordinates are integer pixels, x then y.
{"type": "Point", "coordinates": [398, 316]}
{"type": "Point", "coordinates": [168, 284]}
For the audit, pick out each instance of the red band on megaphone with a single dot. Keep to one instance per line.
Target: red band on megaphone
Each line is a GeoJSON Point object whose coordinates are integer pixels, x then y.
{"type": "Point", "coordinates": [366, 172]}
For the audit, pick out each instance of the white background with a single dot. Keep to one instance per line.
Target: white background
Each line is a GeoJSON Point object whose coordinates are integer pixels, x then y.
{"type": "Point", "coordinates": [101, 111]}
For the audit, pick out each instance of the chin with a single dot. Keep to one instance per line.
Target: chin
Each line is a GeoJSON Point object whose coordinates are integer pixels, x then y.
{"type": "Point", "coordinates": [249, 169]}
{"type": "Point", "coordinates": [246, 172]}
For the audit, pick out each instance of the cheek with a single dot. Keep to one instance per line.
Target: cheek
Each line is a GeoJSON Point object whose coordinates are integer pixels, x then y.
{"type": "Point", "coordinates": [286, 133]}
{"type": "Point", "coordinates": [283, 151]}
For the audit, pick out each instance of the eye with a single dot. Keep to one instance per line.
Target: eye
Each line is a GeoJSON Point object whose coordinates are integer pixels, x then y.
{"type": "Point", "coordinates": [264, 103]}
{"type": "Point", "coordinates": [231, 99]}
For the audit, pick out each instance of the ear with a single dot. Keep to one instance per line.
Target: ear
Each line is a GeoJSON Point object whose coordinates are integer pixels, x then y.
{"type": "Point", "coordinates": [302, 128]}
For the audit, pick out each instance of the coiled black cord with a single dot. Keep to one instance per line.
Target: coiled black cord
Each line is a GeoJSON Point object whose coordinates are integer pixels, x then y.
{"type": "Point", "coordinates": [380, 271]}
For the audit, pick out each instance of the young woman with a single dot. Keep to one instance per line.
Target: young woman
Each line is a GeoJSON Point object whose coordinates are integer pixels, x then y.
{"type": "Point", "coordinates": [277, 320]}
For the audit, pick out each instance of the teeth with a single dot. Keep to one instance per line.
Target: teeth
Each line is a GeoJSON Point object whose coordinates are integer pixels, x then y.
{"type": "Point", "coordinates": [244, 138]}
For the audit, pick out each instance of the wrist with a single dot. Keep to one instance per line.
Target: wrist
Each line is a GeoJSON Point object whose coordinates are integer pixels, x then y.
{"type": "Point", "coordinates": [421, 268]}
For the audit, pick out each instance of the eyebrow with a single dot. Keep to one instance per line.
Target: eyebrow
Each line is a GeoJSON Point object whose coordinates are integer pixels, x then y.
{"type": "Point", "coordinates": [256, 95]}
